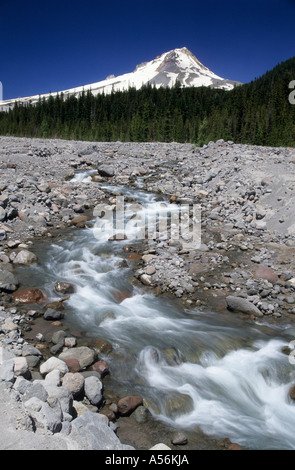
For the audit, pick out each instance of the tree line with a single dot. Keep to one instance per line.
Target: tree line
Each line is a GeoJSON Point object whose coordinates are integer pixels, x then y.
{"type": "Point", "coordinates": [256, 113]}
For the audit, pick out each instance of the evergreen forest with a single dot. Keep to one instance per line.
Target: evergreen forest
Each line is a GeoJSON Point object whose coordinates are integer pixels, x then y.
{"type": "Point", "coordinates": [258, 113]}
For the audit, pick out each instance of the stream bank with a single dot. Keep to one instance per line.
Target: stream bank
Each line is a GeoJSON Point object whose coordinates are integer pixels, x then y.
{"type": "Point", "coordinates": [239, 236]}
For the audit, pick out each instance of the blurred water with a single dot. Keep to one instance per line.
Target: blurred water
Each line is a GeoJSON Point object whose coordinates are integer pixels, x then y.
{"type": "Point", "coordinates": [208, 370]}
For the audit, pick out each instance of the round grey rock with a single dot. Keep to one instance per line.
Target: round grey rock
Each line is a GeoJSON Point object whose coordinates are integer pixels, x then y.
{"type": "Point", "coordinates": [239, 304]}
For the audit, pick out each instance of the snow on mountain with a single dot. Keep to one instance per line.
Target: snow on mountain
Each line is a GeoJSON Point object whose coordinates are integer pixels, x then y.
{"type": "Point", "coordinates": [176, 65]}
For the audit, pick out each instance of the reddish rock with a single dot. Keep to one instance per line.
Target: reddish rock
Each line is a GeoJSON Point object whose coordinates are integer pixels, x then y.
{"type": "Point", "coordinates": [234, 447]}
{"type": "Point", "coordinates": [134, 256]}
{"type": "Point", "coordinates": [102, 367]}
{"type": "Point", "coordinates": [231, 445]}
{"type": "Point", "coordinates": [128, 404]}
{"type": "Point", "coordinates": [29, 296]}
{"type": "Point", "coordinates": [22, 215]}
{"type": "Point", "coordinates": [79, 220]}
{"type": "Point", "coordinates": [85, 355]}
{"type": "Point", "coordinates": [6, 228]}
{"type": "Point", "coordinates": [108, 413]}
{"type": "Point", "coordinates": [121, 295]}
{"type": "Point", "coordinates": [264, 272]}
{"type": "Point", "coordinates": [73, 364]}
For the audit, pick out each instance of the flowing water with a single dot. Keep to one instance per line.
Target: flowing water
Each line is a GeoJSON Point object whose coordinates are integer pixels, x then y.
{"type": "Point", "coordinates": [210, 370]}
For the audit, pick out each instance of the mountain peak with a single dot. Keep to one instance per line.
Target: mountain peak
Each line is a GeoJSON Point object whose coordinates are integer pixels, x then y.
{"type": "Point", "coordinates": [182, 59]}
{"type": "Point", "coordinates": [178, 65]}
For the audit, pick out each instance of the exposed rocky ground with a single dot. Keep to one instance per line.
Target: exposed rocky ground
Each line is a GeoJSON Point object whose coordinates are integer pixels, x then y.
{"type": "Point", "coordinates": [244, 264]}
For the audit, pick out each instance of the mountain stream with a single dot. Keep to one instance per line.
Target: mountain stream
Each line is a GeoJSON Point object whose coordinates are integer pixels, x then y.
{"type": "Point", "coordinates": [211, 371]}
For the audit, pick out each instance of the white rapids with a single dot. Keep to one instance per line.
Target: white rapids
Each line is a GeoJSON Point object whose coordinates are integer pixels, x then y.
{"type": "Point", "coordinates": [230, 376]}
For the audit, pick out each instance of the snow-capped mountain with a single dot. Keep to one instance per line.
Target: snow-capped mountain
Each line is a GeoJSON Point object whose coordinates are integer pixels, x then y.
{"type": "Point", "coordinates": [176, 65]}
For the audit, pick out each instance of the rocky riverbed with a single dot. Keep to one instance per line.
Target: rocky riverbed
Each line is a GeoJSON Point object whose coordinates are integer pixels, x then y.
{"type": "Point", "coordinates": [57, 384]}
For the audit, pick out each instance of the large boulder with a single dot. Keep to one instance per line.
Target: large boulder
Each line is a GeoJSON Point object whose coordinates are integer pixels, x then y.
{"type": "Point", "coordinates": [86, 356]}
{"type": "Point", "coordinates": [93, 390]}
{"type": "Point", "coordinates": [106, 170]}
{"type": "Point", "coordinates": [53, 315]}
{"type": "Point", "coordinates": [7, 371]}
{"type": "Point", "coordinates": [79, 220]}
{"type": "Point", "coordinates": [8, 281]}
{"type": "Point", "coordinates": [30, 350]}
{"type": "Point", "coordinates": [74, 382]}
{"type": "Point", "coordinates": [264, 272]}
{"type": "Point", "coordinates": [43, 416]}
{"type": "Point", "coordinates": [102, 367]}
{"type": "Point", "coordinates": [29, 296]}
{"type": "Point", "coordinates": [25, 257]}
{"type": "Point", "coordinates": [179, 404]}
{"type": "Point", "coordinates": [62, 395]}
{"type": "Point", "coordinates": [239, 304]}
{"type": "Point", "coordinates": [128, 404]}
{"type": "Point", "coordinates": [92, 432]}
{"type": "Point", "coordinates": [21, 367]}
{"type": "Point", "coordinates": [53, 363]}
{"type": "Point", "coordinates": [73, 364]}
{"type": "Point", "coordinates": [35, 389]}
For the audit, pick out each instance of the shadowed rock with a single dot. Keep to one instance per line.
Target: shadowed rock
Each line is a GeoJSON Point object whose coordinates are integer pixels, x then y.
{"type": "Point", "coordinates": [239, 304]}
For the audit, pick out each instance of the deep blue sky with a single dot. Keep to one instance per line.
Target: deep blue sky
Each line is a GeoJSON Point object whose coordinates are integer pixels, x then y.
{"type": "Point", "coordinates": [51, 46]}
